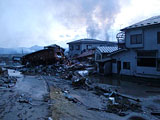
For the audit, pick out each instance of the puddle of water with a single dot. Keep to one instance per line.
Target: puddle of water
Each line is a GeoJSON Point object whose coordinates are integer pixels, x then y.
{"type": "Point", "coordinates": [127, 85]}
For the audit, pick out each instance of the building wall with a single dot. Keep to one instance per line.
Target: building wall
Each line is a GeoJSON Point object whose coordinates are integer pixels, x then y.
{"type": "Point", "coordinates": [128, 56]}
{"type": "Point", "coordinates": [74, 51]}
{"type": "Point", "coordinates": [148, 70]}
{"type": "Point", "coordinates": [149, 39]}
{"type": "Point", "coordinates": [128, 38]}
{"type": "Point", "coordinates": [131, 56]}
{"type": "Point", "coordinates": [82, 47]}
{"type": "Point", "coordinates": [149, 42]}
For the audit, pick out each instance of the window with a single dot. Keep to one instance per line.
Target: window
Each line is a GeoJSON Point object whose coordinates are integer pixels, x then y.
{"type": "Point", "coordinates": [146, 58]}
{"type": "Point", "coordinates": [146, 53]}
{"type": "Point", "coordinates": [77, 47]}
{"type": "Point", "coordinates": [136, 39]}
{"type": "Point", "coordinates": [158, 37]}
{"type": "Point", "coordinates": [126, 65]}
{"type": "Point", "coordinates": [89, 47]}
{"type": "Point", "coordinates": [158, 64]}
{"type": "Point", "coordinates": [146, 62]}
{"type": "Point", "coordinates": [71, 47]}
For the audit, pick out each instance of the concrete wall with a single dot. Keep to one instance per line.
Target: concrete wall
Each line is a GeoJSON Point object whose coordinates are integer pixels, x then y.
{"type": "Point", "coordinates": [127, 56]}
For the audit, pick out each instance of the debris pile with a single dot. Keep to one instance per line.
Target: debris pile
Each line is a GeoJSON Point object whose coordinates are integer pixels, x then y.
{"type": "Point", "coordinates": [120, 105]}
{"type": "Point", "coordinates": [48, 56]}
{"type": "Point", "coordinates": [117, 103]}
{"type": "Point", "coordinates": [6, 80]}
{"type": "Point", "coordinates": [24, 99]}
{"type": "Point", "coordinates": [76, 72]}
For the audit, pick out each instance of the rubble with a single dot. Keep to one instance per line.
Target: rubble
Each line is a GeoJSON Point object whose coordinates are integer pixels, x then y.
{"type": "Point", "coordinates": [6, 80]}
{"type": "Point", "coordinates": [77, 73]}
{"type": "Point", "coordinates": [78, 81]}
{"type": "Point", "coordinates": [48, 56]}
{"type": "Point", "coordinates": [70, 98]}
{"type": "Point", "coordinates": [24, 99]}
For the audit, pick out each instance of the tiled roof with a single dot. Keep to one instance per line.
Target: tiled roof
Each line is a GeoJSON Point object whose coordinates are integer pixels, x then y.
{"type": "Point", "coordinates": [148, 22]}
{"type": "Point", "coordinates": [107, 49]}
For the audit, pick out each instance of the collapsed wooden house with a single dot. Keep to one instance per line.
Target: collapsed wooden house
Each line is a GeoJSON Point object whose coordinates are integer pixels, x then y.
{"type": "Point", "coordinates": [49, 55]}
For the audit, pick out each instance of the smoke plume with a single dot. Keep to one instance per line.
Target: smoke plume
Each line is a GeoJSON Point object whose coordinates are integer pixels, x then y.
{"type": "Point", "coordinates": [30, 22]}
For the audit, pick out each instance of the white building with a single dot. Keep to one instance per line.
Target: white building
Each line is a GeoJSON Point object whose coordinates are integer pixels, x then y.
{"type": "Point", "coordinates": [79, 46]}
{"type": "Point", "coordinates": [141, 56]}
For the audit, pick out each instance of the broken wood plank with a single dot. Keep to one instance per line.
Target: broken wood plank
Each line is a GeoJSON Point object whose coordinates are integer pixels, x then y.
{"type": "Point", "coordinates": [128, 97]}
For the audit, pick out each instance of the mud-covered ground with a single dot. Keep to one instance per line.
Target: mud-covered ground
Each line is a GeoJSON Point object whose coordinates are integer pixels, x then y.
{"type": "Point", "coordinates": [66, 109]}
{"type": "Point", "coordinates": [39, 97]}
{"type": "Point", "coordinates": [24, 101]}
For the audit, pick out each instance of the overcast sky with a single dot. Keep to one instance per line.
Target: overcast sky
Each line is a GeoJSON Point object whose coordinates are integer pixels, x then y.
{"type": "Point", "coordinates": [24, 23]}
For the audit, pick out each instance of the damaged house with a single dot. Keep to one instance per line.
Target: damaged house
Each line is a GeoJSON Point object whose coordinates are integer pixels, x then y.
{"type": "Point", "coordinates": [87, 56]}
{"type": "Point", "coordinates": [141, 54]}
{"type": "Point", "coordinates": [79, 46]}
{"type": "Point", "coordinates": [49, 55]}
{"type": "Point", "coordinates": [103, 59]}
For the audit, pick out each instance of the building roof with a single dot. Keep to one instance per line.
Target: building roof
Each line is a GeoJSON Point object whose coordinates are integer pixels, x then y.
{"type": "Point", "coordinates": [107, 49]}
{"type": "Point", "coordinates": [53, 46]}
{"type": "Point", "coordinates": [92, 41]}
{"type": "Point", "coordinates": [86, 54]}
{"type": "Point", "coordinates": [148, 22]}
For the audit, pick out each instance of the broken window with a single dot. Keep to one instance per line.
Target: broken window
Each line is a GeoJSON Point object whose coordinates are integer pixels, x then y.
{"type": "Point", "coordinates": [136, 39]}
{"type": "Point", "coordinates": [146, 58]}
{"type": "Point", "coordinates": [89, 47]}
{"type": "Point", "coordinates": [126, 65]}
{"type": "Point", "coordinates": [158, 64]}
{"type": "Point", "coordinates": [158, 37]}
{"type": "Point", "coordinates": [71, 47]}
{"type": "Point", "coordinates": [77, 47]}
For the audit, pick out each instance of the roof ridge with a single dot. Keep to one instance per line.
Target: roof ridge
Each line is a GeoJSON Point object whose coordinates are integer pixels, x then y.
{"type": "Point", "coordinates": [146, 22]}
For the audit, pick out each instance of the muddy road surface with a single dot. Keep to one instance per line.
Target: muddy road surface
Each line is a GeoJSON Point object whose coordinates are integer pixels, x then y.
{"type": "Point", "coordinates": [24, 101]}
{"type": "Point", "coordinates": [45, 97]}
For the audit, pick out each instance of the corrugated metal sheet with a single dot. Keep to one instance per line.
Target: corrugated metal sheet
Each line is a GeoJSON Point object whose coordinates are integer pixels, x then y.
{"type": "Point", "coordinates": [107, 49]}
